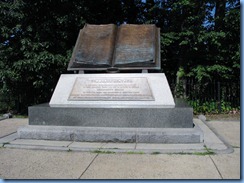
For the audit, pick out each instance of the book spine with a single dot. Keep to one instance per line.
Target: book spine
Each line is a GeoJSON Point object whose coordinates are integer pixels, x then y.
{"type": "Point", "coordinates": [114, 46]}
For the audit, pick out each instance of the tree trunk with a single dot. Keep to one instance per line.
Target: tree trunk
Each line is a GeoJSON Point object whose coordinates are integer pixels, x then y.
{"type": "Point", "coordinates": [219, 14]}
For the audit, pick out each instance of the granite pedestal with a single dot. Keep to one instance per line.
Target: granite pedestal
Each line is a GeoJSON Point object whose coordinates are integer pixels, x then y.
{"type": "Point", "coordinates": [127, 108]}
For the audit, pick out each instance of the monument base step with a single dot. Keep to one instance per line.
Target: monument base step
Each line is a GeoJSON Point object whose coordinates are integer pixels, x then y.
{"type": "Point", "coordinates": [110, 134]}
{"type": "Point", "coordinates": [178, 117]}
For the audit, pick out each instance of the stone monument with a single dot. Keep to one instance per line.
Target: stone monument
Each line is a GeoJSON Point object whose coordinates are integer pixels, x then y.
{"type": "Point", "coordinates": [114, 106]}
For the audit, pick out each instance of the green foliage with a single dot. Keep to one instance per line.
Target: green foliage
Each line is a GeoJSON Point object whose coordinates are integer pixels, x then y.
{"type": "Point", "coordinates": [35, 49]}
{"type": "Point", "coordinates": [190, 39]}
{"type": "Point", "coordinates": [37, 39]}
{"type": "Point", "coordinates": [103, 152]}
{"type": "Point", "coordinates": [207, 151]}
{"type": "Point", "coordinates": [179, 89]}
{"type": "Point", "coordinates": [210, 107]}
{"type": "Point", "coordinates": [135, 152]}
{"type": "Point", "coordinates": [204, 153]}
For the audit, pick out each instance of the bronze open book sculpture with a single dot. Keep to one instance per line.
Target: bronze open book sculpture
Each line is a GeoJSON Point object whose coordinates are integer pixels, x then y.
{"type": "Point", "coordinates": [129, 46]}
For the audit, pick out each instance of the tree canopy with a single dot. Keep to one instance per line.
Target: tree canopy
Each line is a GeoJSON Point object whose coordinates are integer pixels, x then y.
{"type": "Point", "coordinates": [201, 39]}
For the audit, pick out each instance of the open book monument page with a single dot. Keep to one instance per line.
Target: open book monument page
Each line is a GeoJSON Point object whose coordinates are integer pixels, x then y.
{"type": "Point", "coordinates": [100, 47]}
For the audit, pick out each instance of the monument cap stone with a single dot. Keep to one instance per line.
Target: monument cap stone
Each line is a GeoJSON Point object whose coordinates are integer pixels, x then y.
{"type": "Point", "coordinates": [113, 90]}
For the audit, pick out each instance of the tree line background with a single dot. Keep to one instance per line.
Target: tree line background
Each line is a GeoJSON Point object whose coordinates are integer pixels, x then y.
{"type": "Point", "coordinates": [200, 42]}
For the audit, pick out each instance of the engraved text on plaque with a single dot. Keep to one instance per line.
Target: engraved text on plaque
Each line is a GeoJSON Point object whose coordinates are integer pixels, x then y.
{"type": "Point", "coordinates": [113, 89]}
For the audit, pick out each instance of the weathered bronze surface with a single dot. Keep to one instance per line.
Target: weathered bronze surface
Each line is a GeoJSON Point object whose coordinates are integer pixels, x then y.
{"type": "Point", "coordinates": [135, 45]}
{"type": "Point", "coordinates": [129, 46]}
{"type": "Point", "coordinates": [95, 46]}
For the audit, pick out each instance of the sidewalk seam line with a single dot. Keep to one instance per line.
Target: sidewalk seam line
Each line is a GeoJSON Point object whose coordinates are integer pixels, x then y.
{"type": "Point", "coordinates": [70, 144]}
{"type": "Point", "coordinates": [88, 166]}
{"type": "Point", "coordinates": [8, 135]}
{"type": "Point", "coordinates": [216, 167]}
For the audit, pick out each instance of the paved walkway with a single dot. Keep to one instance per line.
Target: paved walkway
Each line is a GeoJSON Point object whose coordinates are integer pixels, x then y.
{"type": "Point", "coordinates": [36, 159]}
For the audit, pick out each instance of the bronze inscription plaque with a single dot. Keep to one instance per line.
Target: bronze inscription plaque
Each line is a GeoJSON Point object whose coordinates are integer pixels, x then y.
{"type": "Point", "coordinates": [111, 89]}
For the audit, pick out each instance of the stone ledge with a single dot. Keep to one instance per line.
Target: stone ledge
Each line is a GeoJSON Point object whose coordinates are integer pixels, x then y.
{"type": "Point", "coordinates": [109, 134]}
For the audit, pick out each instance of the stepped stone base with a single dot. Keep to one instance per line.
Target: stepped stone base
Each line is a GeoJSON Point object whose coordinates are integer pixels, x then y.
{"type": "Point", "coordinates": [109, 134]}
{"type": "Point", "coordinates": [142, 111]}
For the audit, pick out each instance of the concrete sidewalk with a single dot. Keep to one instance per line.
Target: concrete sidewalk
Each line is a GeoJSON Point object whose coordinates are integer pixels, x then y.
{"type": "Point", "coordinates": [217, 158]}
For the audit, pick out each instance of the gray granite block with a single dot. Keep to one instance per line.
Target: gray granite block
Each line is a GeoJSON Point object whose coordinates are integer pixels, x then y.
{"type": "Point", "coordinates": [178, 135]}
{"type": "Point", "coordinates": [101, 134]}
{"type": "Point", "coordinates": [107, 134]}
{"type": "Point", "coordinates": [178, 117]}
